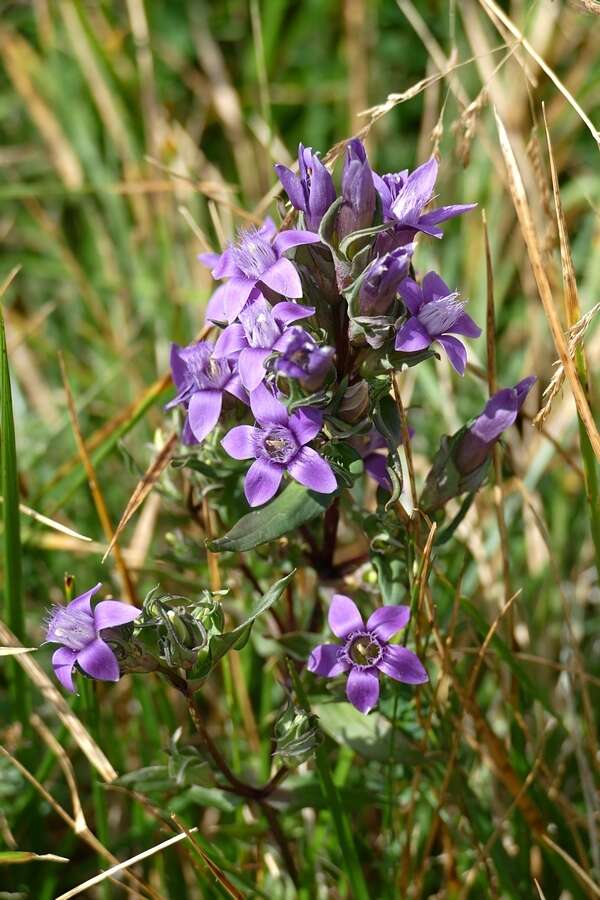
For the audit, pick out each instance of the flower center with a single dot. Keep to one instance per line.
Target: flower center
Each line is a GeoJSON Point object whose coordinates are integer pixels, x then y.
{"type": "Point", "coordinates": [260, 327]}
{"type": "Point", "coordinates": [438, 316]}
{"type": "Point", "coordinates": [253, 254]}
{"type": "Point", "coordinates": [74, 629]}
{"type": "Point", "coordinates": [364, 650]}
{"type": "Point", "coordinates": [279, 445]}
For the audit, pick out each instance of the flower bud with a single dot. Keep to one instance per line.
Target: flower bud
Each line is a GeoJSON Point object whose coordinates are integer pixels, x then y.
{"type": "Point", "coordinates": [381, 281]}
{"type": "Point", "coordinates": [297, 736]}
{"type": "Point", "coordinates": [355, 402]}
{"type": "Point", "coordinates": [302, 358]}
{"type": "Point", "coordinates": [358, 191]}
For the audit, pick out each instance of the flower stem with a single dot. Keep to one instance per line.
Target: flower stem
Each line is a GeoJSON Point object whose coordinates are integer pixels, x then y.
{"type": "Point", "coordinates": [340, 820]}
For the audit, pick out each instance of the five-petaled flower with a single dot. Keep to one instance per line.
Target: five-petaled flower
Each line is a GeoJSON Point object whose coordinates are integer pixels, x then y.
{"type": "Point", "coordinates": [435, 315]}
{"type": "Point", "coordinates": [201, 379]}
{"type": "Point", "coordinates": [77, 627]}
{"type": "Point", "coordinates": [256, 260]}
{"type": "Point", "coordinates": [365, 651]}
{"type": "Point", "coordinates": [278, 444]}
{"type": "Point", "coordinates": [256, 336]}
{"type": "Point", "coordinates": [404, 196]}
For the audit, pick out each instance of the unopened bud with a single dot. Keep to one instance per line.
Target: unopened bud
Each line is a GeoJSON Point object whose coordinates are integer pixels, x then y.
{"type": "Point", "coordinates": [297, 735]}
{"type": "Point", "coordinates": [355, 402]}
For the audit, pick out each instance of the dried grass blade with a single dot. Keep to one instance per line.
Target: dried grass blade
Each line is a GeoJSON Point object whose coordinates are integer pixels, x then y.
{"type": "Point", "coordinates": [524, 216]}
{"type": "Point", "coordinates": [144, 487]}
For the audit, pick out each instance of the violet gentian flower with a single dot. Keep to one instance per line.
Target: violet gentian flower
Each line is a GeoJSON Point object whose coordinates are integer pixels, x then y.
{"type": "Point", "coordinates": [278, 444]}
{"type": "Point", "coordinates": [77, 627]}
{"type": "Point", "coordinates": [366, 651]}
{"type": "Point", "coordinates": [302, 358]}
{"type": "Point", "coordinates": [381, 281]}
{"type": "Point", "coordinates": [256, 260]}
{"type": "Point", "coordinates": [312, 191]}
{"type": "Point", "coordinates": [201, 379]}
{"type": "Point", "coordinates": [403, 198]}
{"type": "Point", "coordinates": [358, 191]}
{"type": "Point", "coordinates": [256, 336]}
{"type": "Point", "coordinates": [435, 315]}
{"type": "Point", "coordinates": [500, 413]}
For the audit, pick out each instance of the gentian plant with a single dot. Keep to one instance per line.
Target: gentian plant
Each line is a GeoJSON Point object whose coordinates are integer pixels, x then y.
{"type": "Point", "coordinates": [293, 451]}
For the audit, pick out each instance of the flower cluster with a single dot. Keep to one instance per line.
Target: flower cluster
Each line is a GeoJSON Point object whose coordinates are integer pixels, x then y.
{"type": "Point", "coordinates": [309, 373]}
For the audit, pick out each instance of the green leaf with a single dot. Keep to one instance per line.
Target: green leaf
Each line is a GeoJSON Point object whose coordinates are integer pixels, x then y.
{"type": "Point", "coordinates": [220, 644]}
{"type": "Point", "coordinates": [9, 487]}
{"type": "Point", "coordinates": [368, 735]}
{"type": "Point", "coordinates": [291, 509]}
{"type": "Point", "coordinates": [212, 797]}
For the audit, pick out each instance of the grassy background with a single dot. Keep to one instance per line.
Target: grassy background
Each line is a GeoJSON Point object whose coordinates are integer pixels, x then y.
{"type": "Point", "coordinates": [133, 136]}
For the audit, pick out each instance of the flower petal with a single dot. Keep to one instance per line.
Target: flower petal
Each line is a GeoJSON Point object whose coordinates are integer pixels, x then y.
{"type": "Point", "coordinates": [434, 287]}
{"type": "Point", "coordinates": [412, 337]}
{"type": "Point", "coordinates": [306, 423]}
{"type": "Point", "coordinates": [110, 613]}
{"type": "Point", "coordinates": [266, 408]}
{"type": "Point", "coordinates": [376, 466]}
{"type": "Point", "coordinates": [362, 689]}
{"type": "Point", "coordinates": [215, 308]}
{"type": "Point", "coordinates": [456, 351]}
{"type": "Point", "coordinates": [313, 471]}
{"type": "Point", "coordinates": [251, 366]}
{"type": "Point", "coordinates": [286, 312]}
{"type": "Point", "coordinates": [262, 481]}
{"type": "Point", "coordinates": [442, 213]}
{"type": "Point", "coordinates": [221, 265]}
{"type": "Point", "coordinates": [203, 412]}
{"type": "Point", "coordinates": [403, 665]}
{"type": "Point", "coordinates": [283, 278]}
{"type": "Point", "coordinates": [292, 186]}
{"type": "Point", "coordinates": [231, 340]}
{"type": "Point", "coordinates": [344, 617]}
{"type": "Point", "coordinates": [236, 293]}
{"type": "Point", "coordinates": [293, 237]}
{"type": "Point", "coordinates": [324, 661]}
{"type": "Point", "coordinates": [412, 295]}
{"type": "Point", "coordinates": [387, 620]}
{"type": "Point", "coordinates": [235, 387]}
{"type": "Point", "coordinates": [82, 603]}
{"type": "Point", "coordinates": [98, 661]}
{"type": "Point", "coordinates": [63, 661]}
{"type": "Point", "coordinates": [239, 442]}
{"type": "Point", "coordinates": [466, 326]}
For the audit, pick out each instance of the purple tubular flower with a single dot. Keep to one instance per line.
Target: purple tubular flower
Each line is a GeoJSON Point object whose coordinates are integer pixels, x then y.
{"type": "Point", "coordinates": [201, 379]}
{"type": "Point", "coordinates": [366, 651]}
{"type": "Point", "coordinates": [278, 444]}
{"type": "Point", "coordinates": [254, 261]}
{"type": "Point", "coordinates": [382, 280]}
{"type": "Point", "coordinates": [302, 358]}
{"type": "Point", "coordinates": [500, 413]}
{"type": "Point", "coordinates": [435, 315]}
{"type": "Point", "coordinates": [358, 191]}
{"type": "Point", "coordinates": [258, 334]}
{"type": "Point", "coordinates": [404, 196]}
{"type": "Point", "coordinates": [312, 191]}
{"type": "Point", "coordinates": [77, 628]}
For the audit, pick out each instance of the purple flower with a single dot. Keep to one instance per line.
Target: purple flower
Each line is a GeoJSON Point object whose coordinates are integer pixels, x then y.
{"type": "Point", "coordinates": [257, 260]}
{"type": "Point", "coordinates": [312, 191]}
{"type": "Point", "coordinates": [381, 281]}
{"type": "Point", "coordinates": [403, 198]}
{"type": "Point", "coordinates": [366, 651]}
{"type": "Point", "coordinates": [358, 191]}
{"type": "Point", "coordinates": [435, 315]}
{"type": "Point", "coordinates": [375, 463]}
{"type": "Point", "coordinates": [302, 358]}
{"type": "Point", "coordinates": [256, 336]}
{"type": "Point", "coordinates": [278, 444]}
{"type": "Point", "coordinates": [201, 379]}
{"type": "Point", "coordinates": [500, 413]}
{"type": "Point", "coordinates": [77, 627]}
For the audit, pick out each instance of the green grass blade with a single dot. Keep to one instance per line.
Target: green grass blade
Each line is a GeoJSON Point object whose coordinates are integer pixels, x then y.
{"type": "Point", "coordinates": [11, 534]}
